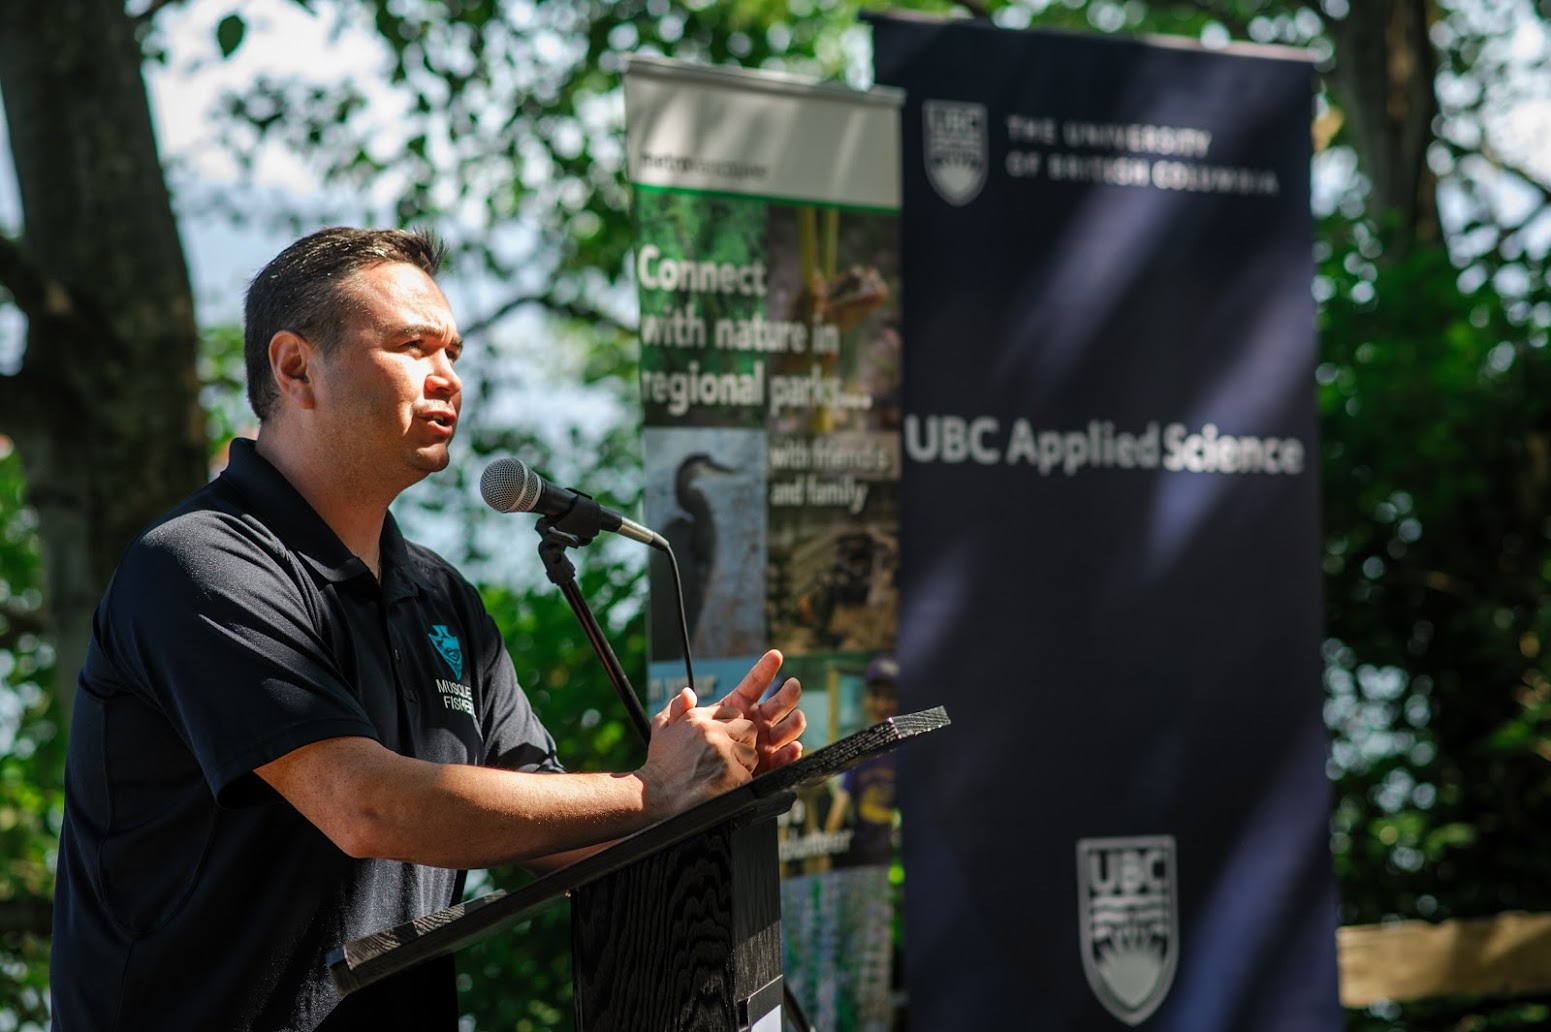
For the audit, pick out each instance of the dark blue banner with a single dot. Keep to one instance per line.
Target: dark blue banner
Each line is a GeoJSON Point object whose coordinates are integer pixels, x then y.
{"type": "Point", "coordinates": [1110, 541]}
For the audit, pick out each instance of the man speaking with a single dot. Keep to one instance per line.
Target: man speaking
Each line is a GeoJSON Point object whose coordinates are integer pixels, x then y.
{"type": "Point", "coordinates": [294, 727]}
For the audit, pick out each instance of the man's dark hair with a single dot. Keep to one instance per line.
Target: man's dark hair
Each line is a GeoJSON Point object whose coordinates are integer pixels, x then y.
{"type": "Point", "coordinates": [299, 290]}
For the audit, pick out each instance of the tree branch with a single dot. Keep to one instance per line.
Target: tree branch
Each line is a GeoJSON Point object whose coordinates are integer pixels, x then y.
{"type": "Point", "coordinates": [146, 15]}
{"type": "Point", "coordinates": [1528, 178]}
{"type": "Point", "coordinates": [31, 291]}
{"type": "Point", "coordinates": [1237, 27]}
{"type": "Point", "coordinates": [22, 279]}
{"type": "Point", "coordinates": [17, 621]}
{"type": "Point", "coordinates": [29, 915]}
{"type": "Point", "coordinates": [1434, 580]}
{"type": "Point", "coordinates": [569, 309]}
{"type": "Point", "coordinates": [15, 400]}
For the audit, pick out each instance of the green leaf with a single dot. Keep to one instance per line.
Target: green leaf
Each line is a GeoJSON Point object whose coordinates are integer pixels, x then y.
{"type": "Point", "coordinates": [229, 34]}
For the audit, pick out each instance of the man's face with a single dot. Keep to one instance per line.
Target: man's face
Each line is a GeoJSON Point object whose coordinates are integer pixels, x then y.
{"type": "Point", "coordinates": [388, 395]}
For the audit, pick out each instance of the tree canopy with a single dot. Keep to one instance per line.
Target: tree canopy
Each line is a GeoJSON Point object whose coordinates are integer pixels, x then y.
{"type": "Point", "coordinates": [499, 123]}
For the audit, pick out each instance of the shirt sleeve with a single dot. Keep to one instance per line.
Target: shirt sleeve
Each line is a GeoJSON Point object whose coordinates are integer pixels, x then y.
{"type": "Point", "coordinates": [223, 630]}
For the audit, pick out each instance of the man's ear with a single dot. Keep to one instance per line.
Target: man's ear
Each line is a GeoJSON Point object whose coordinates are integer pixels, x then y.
{"type": "Point", "coordinates": [292, 359]}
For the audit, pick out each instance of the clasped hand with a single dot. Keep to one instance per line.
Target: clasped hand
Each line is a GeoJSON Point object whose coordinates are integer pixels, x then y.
{"type": "Point", "coordinates": [698, 752]}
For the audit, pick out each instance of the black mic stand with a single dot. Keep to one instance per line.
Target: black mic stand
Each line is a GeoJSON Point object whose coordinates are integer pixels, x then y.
{"type": "Point", "coordinates": [576, 528]}
{"type": "Point", "coordinates": [563, 574]}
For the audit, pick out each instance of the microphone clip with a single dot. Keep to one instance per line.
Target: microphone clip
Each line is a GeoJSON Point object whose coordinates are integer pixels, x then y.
{"type": "Point", "coordinates": [582, 522]}
{"type": "Point", "coordinates": [552, 550]}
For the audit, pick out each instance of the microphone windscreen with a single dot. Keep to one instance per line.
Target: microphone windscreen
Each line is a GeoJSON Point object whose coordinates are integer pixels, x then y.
{"type": "Point", "coordinates": [508, 485]}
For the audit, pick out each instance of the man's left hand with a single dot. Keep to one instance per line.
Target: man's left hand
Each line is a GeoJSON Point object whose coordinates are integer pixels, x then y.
{"type": "Point", "coordinates": [777, 720]}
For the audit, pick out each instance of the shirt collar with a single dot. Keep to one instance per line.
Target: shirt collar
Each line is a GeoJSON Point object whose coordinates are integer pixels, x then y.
{"type": "Point", "coordinates": [270, 496]}
{"type": "Point", "coordinates": [401, 574]}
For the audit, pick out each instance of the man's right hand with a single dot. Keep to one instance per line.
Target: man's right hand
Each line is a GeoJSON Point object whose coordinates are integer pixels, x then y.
{"type": "Point", "coordinates": [696, 753]}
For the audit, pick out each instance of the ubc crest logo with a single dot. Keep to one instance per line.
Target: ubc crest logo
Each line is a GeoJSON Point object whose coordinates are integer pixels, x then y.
{"type": "Point", "coordinates": [1129, 922]}
{"type": "Point", "coordinates": [956, 149]}
{"type": "Point", "coordinates": [447, 645]}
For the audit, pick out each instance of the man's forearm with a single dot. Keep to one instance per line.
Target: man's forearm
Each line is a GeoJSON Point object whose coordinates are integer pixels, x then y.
{"type": "Point", "coordinates": [373, 802]}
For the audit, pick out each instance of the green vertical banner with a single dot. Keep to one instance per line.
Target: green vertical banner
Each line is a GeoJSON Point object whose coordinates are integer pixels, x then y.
{"type": "Point", "coordinates": [767, 260]}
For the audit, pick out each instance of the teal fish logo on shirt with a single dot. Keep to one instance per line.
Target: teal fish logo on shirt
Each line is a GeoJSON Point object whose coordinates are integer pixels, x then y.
{"type": "Point", "coordinates": [447, 645]}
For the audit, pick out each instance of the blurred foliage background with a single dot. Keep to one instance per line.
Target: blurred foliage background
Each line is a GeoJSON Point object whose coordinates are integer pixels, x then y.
{"type": "Point", "coordinates": [499, 123]}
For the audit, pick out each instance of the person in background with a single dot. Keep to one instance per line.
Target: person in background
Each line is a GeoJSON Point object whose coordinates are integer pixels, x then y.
{"type": "Point", "coordinates": [866, 804]}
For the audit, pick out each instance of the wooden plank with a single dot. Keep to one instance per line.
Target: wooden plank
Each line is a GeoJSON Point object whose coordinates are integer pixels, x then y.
{"type": "Point", "coordinates": [1508, 954]}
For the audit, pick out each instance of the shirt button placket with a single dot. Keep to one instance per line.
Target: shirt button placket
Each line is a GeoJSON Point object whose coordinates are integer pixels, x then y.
{"type": "Point", "coordinates": [408, 691]}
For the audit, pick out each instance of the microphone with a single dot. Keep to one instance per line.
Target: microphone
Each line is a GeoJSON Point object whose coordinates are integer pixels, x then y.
{"type": "Point", "coordinates": [508, 485]}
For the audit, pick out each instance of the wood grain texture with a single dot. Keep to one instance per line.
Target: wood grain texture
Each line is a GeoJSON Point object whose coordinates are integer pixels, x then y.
{"type": "Point", "coordinates": [362, 961]}
{"type": "Point", "coordinates": [653, 944]}
{"type": "Point", "coordinates": [756, 916]}
{"type": "Point", "coordinates": [679, 940]}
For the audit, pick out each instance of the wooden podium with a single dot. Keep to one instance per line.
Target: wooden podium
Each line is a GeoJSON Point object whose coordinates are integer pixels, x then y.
{"type": "Point", "coordinates": [677, 927]}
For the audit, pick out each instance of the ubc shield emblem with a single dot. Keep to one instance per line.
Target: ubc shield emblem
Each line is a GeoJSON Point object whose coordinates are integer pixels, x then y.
{"type": "Point", "coordinates": [1129, 922]}
{"type": "Point", "coordinates": [447, 645]}
{"type": "Point", "coordinates": [956, 149]}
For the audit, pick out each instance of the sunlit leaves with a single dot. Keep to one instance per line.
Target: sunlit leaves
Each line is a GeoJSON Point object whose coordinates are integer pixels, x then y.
{"type": "Point", "coordinates": [31, 751]}
{"type": "Point", "coordinates": [1435, 414]}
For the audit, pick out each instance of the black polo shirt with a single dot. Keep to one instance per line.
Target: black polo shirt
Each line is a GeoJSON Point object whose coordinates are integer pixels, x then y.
{"type": "Point", "coordinates": [236, 629]}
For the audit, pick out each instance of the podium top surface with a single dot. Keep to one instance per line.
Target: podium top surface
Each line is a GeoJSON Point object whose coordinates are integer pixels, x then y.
{"type": "Point", "coordinates": [362, 961]}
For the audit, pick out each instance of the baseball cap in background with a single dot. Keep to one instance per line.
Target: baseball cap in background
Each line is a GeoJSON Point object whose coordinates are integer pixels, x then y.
{"type": "Point", "coordinates": [883, 668]}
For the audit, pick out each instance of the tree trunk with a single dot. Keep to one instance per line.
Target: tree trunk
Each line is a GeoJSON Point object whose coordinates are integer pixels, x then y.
{"type": "Point", "coordinates": [1384, 81]}
{"type": "Point", "coordinates": [105, 408]}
